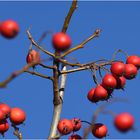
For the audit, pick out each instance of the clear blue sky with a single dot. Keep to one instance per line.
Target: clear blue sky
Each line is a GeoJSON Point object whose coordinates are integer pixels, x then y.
{"type": "Point", "coordinates": [120, 24]}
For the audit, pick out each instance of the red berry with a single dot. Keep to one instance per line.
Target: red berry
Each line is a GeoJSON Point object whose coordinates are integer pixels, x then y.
{"type": "Point", "coordinates": [91, 96]}
{"type": "Point", "coordinates": [61, 41]}
{"type": "Point", "coordinates": [133, 59]}
{"type": "Point", "coordinates": [5, 108]}
{"type": "Point", "coordinates": [9, 29]}
{"type": "Point", "coordinates": [109, 81]}
{"type": "Point", "coordinates": [2, 115]}
{"type": "Point", "coordinates": [33, 56]}
{"type": "Point", "coordinates": [76, 122]}
{"type": "Point", "coordinates": [100, 93]}
{"type": "Point", "coordinates": [65, 126]}
{"type": "Point", "coordinates": [75, 137]}
{"type": "Point", "coordinates": [99, 130]}
{"type": "Point", "coordinates": [130, 71]}
{"type": "Point", "coordinates": [17, 116]}
{"type": "Point", "coordinates": [121, 81]}
{"type": "Point", "coordinates": [4, 126]}
{"type": "Point", "coordinates": [117, 68]}
{"type": "Point", "coordinates": [124, 122]}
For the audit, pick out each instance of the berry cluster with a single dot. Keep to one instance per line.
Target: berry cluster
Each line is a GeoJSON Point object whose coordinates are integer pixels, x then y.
{"type": "Point", "coordinates": [16, 116]}
{"type": "Point", "coordinates": [9, 29]}
{"type": "Point", "coordinates": [116, 80]}
{"type": "Point", "coordinates": [123, 122]}
{"type": "Point", "coordinates": [66, 127]}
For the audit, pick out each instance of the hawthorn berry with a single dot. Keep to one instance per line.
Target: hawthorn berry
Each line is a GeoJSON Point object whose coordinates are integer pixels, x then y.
{"type": "Point", "coordinates": [109, 81]}
{"type": "Point", "coordinates": [133, 59]}
{"type": "Point", "coordinates": [61, 41]}
{"type": "Point", "coordinates": [124, 121]}
{"type": "Point", "coordinates": [65, 126]}
{"type": "Point", "coordinates": [130, 71]}
{"type": "Point", "coordinates": [9, 29]}
{"type": "Point", "coordinates": [5, 109]}
{"type": "Point", "coordinates": [17, 116]}
{"type": "Point", "coordinates": [100, 93]}
{"type": "Point", "coordinates": [74, 137]}
{"type": "Point", "coordinates": [99, 130]}
{"type": "Point", "coordinates": [2, 115]}
{"type": "Point", "coordinates": [33, 56]}
{"type": "Point", "coordinates": [91, 96]}
{"type": "Point", "coordinates": [4, 126]}
{"type": "Point", "coordinates": [121, 81]}
{"type": "Point", "coordinates": [117, 68]}
{"type": "Point", "coordinates": [76, 122]}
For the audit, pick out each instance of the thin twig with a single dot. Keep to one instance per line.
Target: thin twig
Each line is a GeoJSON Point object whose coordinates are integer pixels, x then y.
{"type": "Point", "coordinates": [16, 73]}
{"type": "Point", "coordinates": [69, 15]}
{"type": "Point", "coordinates": [81, 45]}
{"type": "Point", "coordinates": [118, 51]}
{"type": "Point", "coordinates": [38, 74]}
{"type": "Point", "coordinates": [38, 46]}
{"type": "Point", "coordinates": [69, 64]}
{"type": "Point", "coordinates": [45, 66]}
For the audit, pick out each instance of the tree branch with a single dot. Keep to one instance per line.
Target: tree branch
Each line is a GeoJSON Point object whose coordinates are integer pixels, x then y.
{"type": "Point", "coordinates": [44, 66]}
{"type": "Point", "coordinates": [81, 45]}
{"type": "Point", "coordinates": [16, 73]}
{"type": "Point", "coordinates": [40, 75]}
{"type": "Point", "coordinates": [58, 108]}
{"type": "Point", "coordinates": [39, 47]}
{"type": "Point", "coordinates": [69, 15]}
{"type": "Point", "coordinates": [69, 64]}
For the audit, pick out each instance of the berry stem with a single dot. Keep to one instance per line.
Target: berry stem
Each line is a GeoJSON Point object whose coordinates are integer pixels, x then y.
{"type": "Point", "coordinates": [87, 122]}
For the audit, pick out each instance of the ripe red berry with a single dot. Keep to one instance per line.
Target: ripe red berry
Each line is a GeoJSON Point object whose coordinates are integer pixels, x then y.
{"type": "Point", "coordinates": [65, 126]}
{"type": "Point", "coordinates": [133, 59]}
{"type": "Point", "coordinates": [61, 41]}
{"type": "Point", "coordinates": [2, 115]}
{"type": "Point", "coordinates": [75, 137]}
{"type": "Point", "coordinates": [33, 56]}
{"type": "Point", "coordinates": [99, 130]}
{"type": "Point", "coordinates": [117, 68]}
{"type": "Point", "coordinates": [17, 116]}
{"type": "Point", "coordinates": [77, 124]}
{"type": "Point", "coordinates": [4, 126]}
{"type": "Point", "coordinates": [109, 81]}
{"type": "Point", "coordinates": [121, 81]}
{"type": "Point", "coordinates": [130, 71]}
{"type": "Point", "coordinates": [91, 96]}
{"type": "Point", "coordinates": [100, 93]}
{"type": "Point", "coordinates": [9, 29]}
{"type": "Point", "coordinates": [5, 108]}
{"type": "Point", "coordinates": [124, 122]}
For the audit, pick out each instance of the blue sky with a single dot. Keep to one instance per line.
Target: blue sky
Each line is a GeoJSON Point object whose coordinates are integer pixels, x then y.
{"type": "Point", "coordinates": [120, 24]}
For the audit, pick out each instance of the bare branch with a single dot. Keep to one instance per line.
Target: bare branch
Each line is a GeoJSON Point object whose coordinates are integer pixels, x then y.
{"type": "Point", "coordinates": [39, 47]}
{"type": "Point", "coordinates": [69, 64]}
{"type": "Point", "coordinates": [119, 51]}
{"type": "Point", "coordinates": [69, 15]}
{"type": "Point", "coordinates": [81, 45]}
{"type": "Point", "coordinates": [44, 66]}
{"type": "Point", "coordinates": [38, 74]}
{"type": "Point", "coordinates": [74, 70]}
{"type": "Point", "coordinates": [16, 73]}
